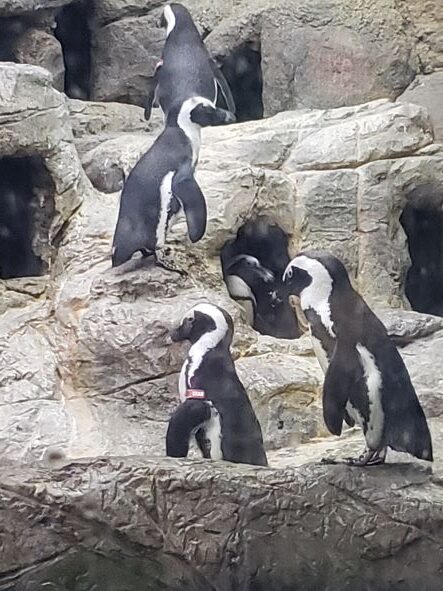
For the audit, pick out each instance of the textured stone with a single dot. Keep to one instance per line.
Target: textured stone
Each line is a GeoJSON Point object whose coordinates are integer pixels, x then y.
{"type": "Point", "coordinates": [40, 48]}
{"type": "Point", "coordinates": [313, 54]}
{"type": "Point", "coordinates": [19, 7]}
{"type": "Point", "coordinates": [427, 91]}
{"type": "Point", "coordinates": [186, 524]}
{"type": "Point", "coordinates": [125, 55]}
{"type": "Point", "coordinates": [87, 367]}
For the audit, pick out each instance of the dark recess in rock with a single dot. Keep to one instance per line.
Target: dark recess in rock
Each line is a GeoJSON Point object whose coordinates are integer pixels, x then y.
{"type": "Point", "coordinates": [73, 33]}
{"type": "Point", "coordinates": [26, 199]}
{"type": "Point", "coordinates": [422, 221]}
{"type": "Point", "coordinates": [260, 238]}
{"type": "Point", "coordinates": [242, 70]}
{"type": "Point", "coordinates": [10, 30]}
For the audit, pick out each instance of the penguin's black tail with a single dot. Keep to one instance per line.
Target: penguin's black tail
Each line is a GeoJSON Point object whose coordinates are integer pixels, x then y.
{"type": "Point", "coordinates": [185, 420]}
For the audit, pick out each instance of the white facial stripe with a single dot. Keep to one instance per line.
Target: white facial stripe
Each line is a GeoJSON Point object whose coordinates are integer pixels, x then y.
{"type": "Point", "coordinates": [165, 199]}
{"type": "Point", "coordinates": [190, 129]}
{"type": "Point", "coordinates": [170, 19]}
{"type": "Point", "coordinates": [373, 379]}
{"type": "Point", "coordinates": [208, 341]}
{"type": "Point", "coordinates": [316, 294]}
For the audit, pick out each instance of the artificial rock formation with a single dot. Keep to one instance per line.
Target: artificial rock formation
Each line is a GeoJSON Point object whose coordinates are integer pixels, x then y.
{"type": "Point", "coordinates": [312, 54]}
{"type": "Point", "coordinates": [87, 368]}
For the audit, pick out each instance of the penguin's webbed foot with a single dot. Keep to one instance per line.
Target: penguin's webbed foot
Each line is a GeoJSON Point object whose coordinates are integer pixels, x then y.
{"type": "Point", "coordinates": [370, 457]}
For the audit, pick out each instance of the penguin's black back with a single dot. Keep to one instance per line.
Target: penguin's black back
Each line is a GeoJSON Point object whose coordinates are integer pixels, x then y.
{"type": "Point", "coordinates": [140, 198]}
{"type": "Point", "coordinates": [242, 439]}
{"type": "Point", "coordinates": [186, 70]}
{"type": "Point", "coordinates": [405, 427]}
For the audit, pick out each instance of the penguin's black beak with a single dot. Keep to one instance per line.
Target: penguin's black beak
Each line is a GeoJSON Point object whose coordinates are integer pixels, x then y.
{"type": "Point", "coordinates": [176, 335]}
{"type": "Point", "coordinates": [205, 115]}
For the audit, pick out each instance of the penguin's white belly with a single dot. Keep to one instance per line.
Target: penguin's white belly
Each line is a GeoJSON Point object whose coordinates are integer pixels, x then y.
{"type": "Point", "coordinates": [320, 353]}
{"type": "Point", "coordinates": [182, 382]}
{"type": "Point", "coordinates": [213, 433]}
{"type": "Point", "coordinates": [373, 378]}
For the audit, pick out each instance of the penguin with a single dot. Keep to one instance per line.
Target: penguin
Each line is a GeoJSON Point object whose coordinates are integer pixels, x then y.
{"type": "Point", "coordinates": [186, 69]}
{"type": "Point", "coordinates": [215, 407]}
{"type": "Point", "coordinates": [259, 292]}
{"type": "Point", "coordinates": [246, 280]}
{"type": "Point", "coordinates": [162, 183]}
{"type": "Point", "coordinates": [366, 380]}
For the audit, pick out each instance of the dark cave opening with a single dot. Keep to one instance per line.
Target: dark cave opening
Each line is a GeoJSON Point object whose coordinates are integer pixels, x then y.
{"type": "Point", "coordinates": [423, 225]}
{"type": "Point", "coordinates": [242, 70]}
{"type": "Point", "coordinates": [10, 30]}
{"type": "Point", "coordinates": [253, 264]}
{"type": "Point", "coordinates": [27, 208]}
{"type": "Point", "coordinates": [73, 33]}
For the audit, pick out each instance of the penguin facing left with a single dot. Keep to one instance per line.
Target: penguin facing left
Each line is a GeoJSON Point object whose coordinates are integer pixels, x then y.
{"type": "Point", "coordinates": [162, 183]}
{"type": "Point", "coordinates": [186, 68]}
{"type": "Point", "coordinates": [366, 380]}
{"type": "Point", "coordinates": [215, 407]}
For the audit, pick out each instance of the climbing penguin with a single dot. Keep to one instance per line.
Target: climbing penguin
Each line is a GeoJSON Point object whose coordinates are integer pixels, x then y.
{"type": "Point", "coordinates": [366, 380]}
{"type": "Point", "coordinates": [186, 69]}
{"type": "Point", "coordinates": [259, 292]}
{"type": "Point", "coordinates": [214, 405]}
{"type": "Point", "coordinates": [162, 183]}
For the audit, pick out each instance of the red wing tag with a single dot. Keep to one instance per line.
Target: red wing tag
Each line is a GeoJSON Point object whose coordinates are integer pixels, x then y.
{"type": "Point", "coordinates": [191, 393]}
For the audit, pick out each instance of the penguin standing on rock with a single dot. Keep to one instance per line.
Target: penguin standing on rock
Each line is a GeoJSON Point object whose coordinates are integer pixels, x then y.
{"type": "Point", "coordinates": [366, 380]}
{"type": "Point", "coordinates": [186, 68]}
{"type": "Point", "coordinates": [214, 405]}
{"type": "Point", "coordinates": [162, 183]}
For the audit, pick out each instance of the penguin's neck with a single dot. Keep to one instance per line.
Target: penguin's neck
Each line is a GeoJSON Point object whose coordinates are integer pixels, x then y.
{"type": "Point", "coordinates": [192, 131]}
{"type": "Point", "coordinates": [317, 297]}
{"type": "Point", "coordinates": [210, 345]}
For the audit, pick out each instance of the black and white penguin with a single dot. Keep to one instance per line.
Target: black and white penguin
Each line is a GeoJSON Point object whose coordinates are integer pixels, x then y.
{"type": "Point", "coordinates": [261, 295]}
{"type": "Point", "coordinates": [366, 380]}
{"type": "Point", "coordinates": [248, 281]}
{"type": "Point", "coordinates": [214, 405]}
{"type": "Point", "coordinates": [162, 183]}
{"type": "Point", "coordinates": [186, 69]}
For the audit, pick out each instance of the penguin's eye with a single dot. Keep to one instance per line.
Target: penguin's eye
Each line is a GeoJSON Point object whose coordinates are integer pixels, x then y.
{"type": "Point", "coordinates": [289, 273]}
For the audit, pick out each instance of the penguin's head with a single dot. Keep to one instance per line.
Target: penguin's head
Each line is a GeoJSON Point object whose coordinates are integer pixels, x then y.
{"type": "Point", "coordinates": [250, 265]}
{"type": "Point", "coordinates": [318, 271]}
{"type": "Point", "coordinates": [205, 319]}
{"type": "Point", "coordinates": [174, 16]}
{"type": "Point", "coordinates": [197, 112]}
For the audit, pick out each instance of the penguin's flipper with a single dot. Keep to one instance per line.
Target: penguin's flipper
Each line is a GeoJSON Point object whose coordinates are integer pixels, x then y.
{"type": "Point", "coordinates": [152, 92]}
{"type": "Point", "coordinates": [186, 190]}
{"type": "Point", "coordinates": [150, 98]}
{"type": "Point", "coordinates": [340, 379]}
{"type": "Point", "coordinates": [187, 417]}
{"type": "Point", "coordinates": [222, 83]}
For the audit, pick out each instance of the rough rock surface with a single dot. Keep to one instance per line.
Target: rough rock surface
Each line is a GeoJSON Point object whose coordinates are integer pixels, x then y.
{"type": "Point", "coordinates": [428, 91]}
{"type": "Point", "coordinates": [41, 48]}
{"type": "Point", "coordinates": [34, 121]}
{"type": "Point", "coordinates": [87, 367]}
{"type": "Point", "coordinates": [313, 54]}
{"type": "Point", "coordinates": [20, 7]}
{"type": "Point", "coordinates": [337, 179]}
{"type": "Point", "coordinates": [131, 522]}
